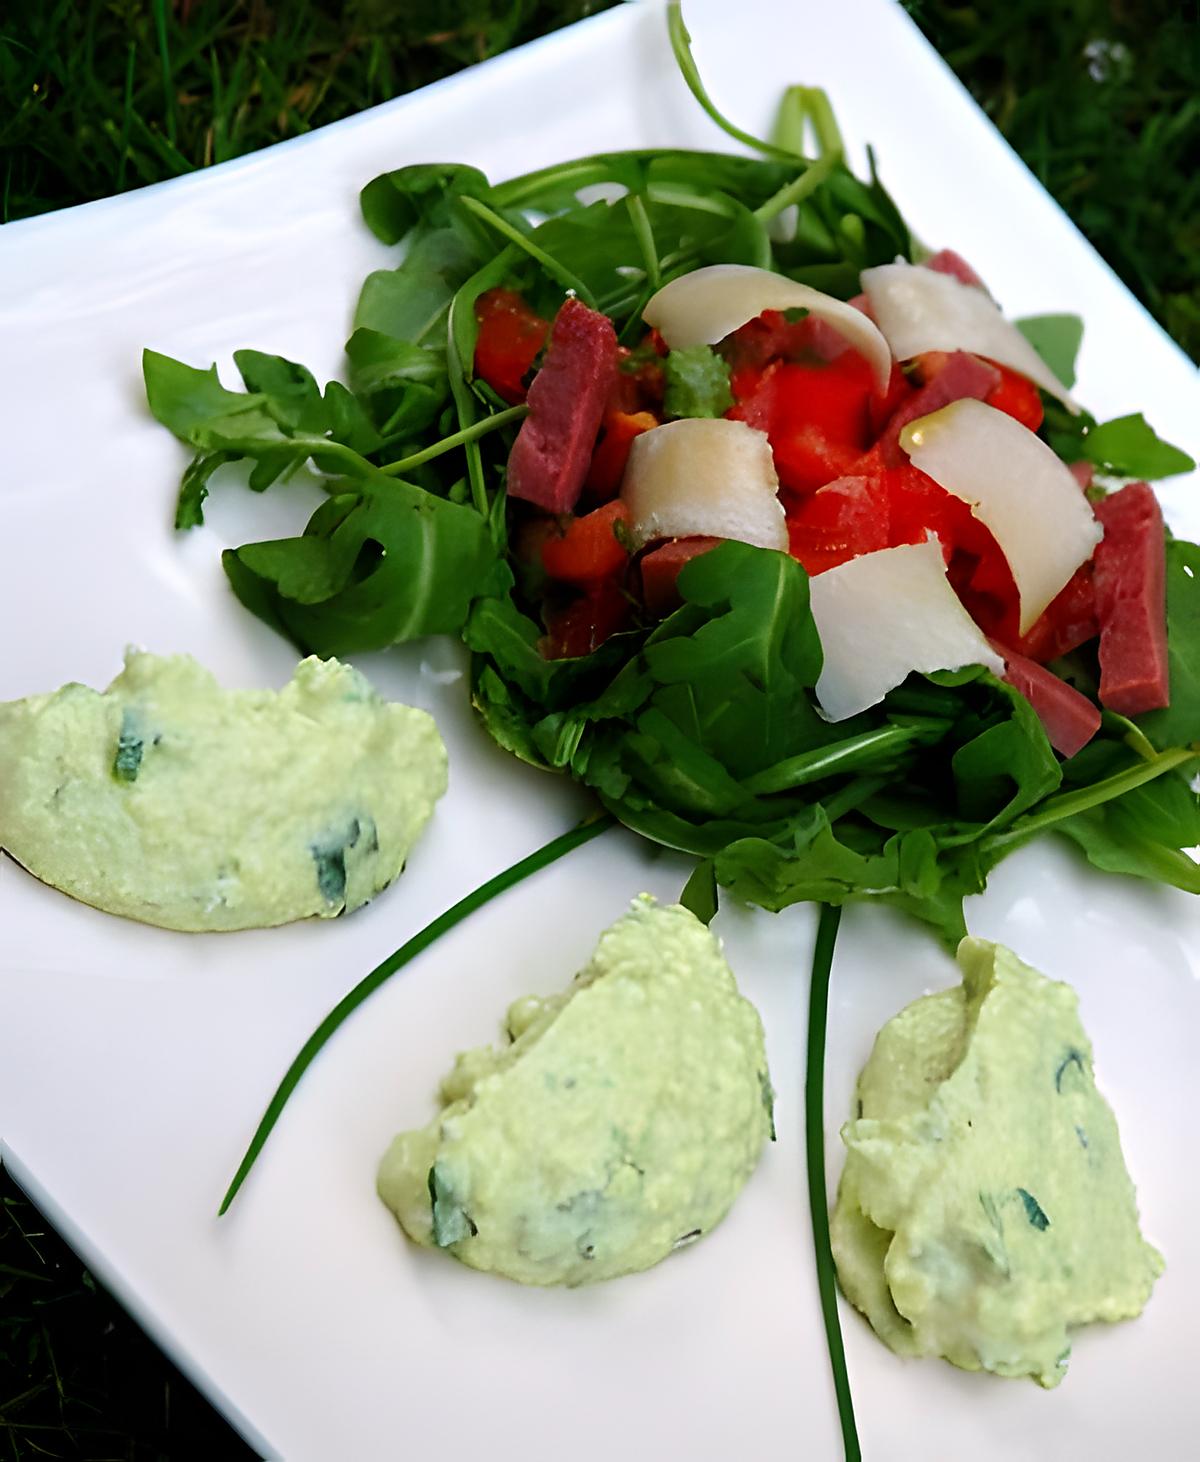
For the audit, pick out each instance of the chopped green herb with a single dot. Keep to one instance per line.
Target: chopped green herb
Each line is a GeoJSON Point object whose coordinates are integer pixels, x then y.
{"type": "Point", "coordinates": [451, 1222]}
{"type": "Point", "coordinates": [768, 1101]}
{"type": "Point", "coordinates": [329, 856]}
{"type": "Point", "coordinates": [685, 1239]}
{"type": "Point", "coordinates": [988, 1204]}
{"type": "Point", "coordinates": [1033, 1211]}
{"type": "Point", "coordinates": [697, 383]}
{"type": "Point", "coordinates": [128, 760]}
{"type": "Point", "coordinates": [1072, 1058]}
{"type": "Point", "coordinates": [699, 894]}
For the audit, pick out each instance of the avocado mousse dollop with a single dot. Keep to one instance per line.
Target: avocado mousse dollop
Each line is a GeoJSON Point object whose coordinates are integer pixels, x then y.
{"type": "Point", "coordinates": [619, 1123]}
{"type": "Point", "coordinates": [985, 1208]}
{"type": "Point", "coordinates": [172, 801]}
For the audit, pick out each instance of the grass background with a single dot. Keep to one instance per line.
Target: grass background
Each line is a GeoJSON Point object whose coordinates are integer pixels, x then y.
{"type": "Point", "coordinates": [1100, 97]}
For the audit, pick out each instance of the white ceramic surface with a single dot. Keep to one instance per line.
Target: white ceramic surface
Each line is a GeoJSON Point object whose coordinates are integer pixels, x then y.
{"type": "Point", "coordinates": [134, 1063]}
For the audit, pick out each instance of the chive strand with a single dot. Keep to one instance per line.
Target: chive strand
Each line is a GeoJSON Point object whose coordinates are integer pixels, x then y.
{"type": "Point", "coordinates": [644, 233]}
{"type": "Point", "coordinates": [799, 188]}
{"type": "Point", "coordinates": [349, 1003]}
{"type": "Point", "coordinates": [826, 761]}
{"type": "Point", "coordinates": [549, 263]}
{"type": "Point", "coordinates": [681, 46]}
{"type": "Point", "coordinates": [456, 439]}
{"type": "Point", "coordinates": [1084, 799]}
{"type": "Point", "coordinates": [464, 407]}
{"type": "Point", "coordinates": [814, 1132]}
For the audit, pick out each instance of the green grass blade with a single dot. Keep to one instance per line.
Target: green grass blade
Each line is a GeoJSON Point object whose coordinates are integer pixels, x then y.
{"type": "Point", "coordinates": [160, 31]}
{"type": "Point", "coordinates": [814, 1133]}
{"type": "Point", "coordinates": [126, 115]}
{"type": "Point", "coordinates": [349, 1003]}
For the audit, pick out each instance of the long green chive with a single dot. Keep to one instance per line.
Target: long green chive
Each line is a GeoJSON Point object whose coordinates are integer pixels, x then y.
{"type": "Point", "coordinates": [681, 45]}
{"type": "Point", "coordinates": [1083, 799]}
{"type": "Point", "coordinates": [814, 1133]}
{"type": "Point", "coordinates": [549, 263]}
{"type": "Point", "coordinates": [349, 1003]}
{"type": "Point", "coordinates": [644, 234]}
{"type": "Point", "coordinates": [457, 439]}
{"type": "Point", "coordinates": [799, 188]}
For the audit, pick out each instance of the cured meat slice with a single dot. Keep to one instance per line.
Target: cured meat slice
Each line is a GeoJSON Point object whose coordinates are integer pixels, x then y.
{"type": "Point", "coordinates": [959, 375]}
{"type": "Point", "coordinates": [1069, 718]}
{"type": "Point", "coordinates": [1130, 581]}
{"type": "Point", "coordinates": [553, 450]}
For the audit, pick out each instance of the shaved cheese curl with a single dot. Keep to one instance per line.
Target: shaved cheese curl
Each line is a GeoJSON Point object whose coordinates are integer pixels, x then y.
{"type": "Point", "coordinates": [704, 478]}
{"type": "Point", "coordinates": [883, 615]}
{"type": "Point", "coordinates": [1017, 487]}
{"type": "Point", "coordinates": [921, 309]}
{"type": "Point", "coordinates": [704, 306]}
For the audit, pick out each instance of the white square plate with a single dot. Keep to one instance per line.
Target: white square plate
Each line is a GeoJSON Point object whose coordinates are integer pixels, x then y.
{"type": "Point", "coordinates": [134, 1063]}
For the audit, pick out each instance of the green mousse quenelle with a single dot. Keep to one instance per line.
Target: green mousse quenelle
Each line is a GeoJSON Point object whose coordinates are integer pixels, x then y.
{"type": "Point", "coordinates": [620, 1122]}
{"type": "Point", "coordinates": [985, 1207]}
{"type": "Point", "coordinates": [172, 801]}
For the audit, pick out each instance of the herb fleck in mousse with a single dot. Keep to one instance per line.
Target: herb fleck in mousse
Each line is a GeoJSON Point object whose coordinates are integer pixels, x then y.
{"type": "Point", "coordinates": [985, 1207]}
{"type": "Point", "coordinates": [172, 801]}
{"type": "Point", "coordinates": [620, 1122]}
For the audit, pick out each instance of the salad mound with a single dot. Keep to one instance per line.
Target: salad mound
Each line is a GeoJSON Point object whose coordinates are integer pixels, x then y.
{"type": "Point", "coordinates": [606, 421]}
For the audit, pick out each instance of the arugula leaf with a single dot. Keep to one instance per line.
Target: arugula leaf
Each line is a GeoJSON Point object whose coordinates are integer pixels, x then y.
{"type": "Point", "coordinates": [288, 391]}
{"type": "Point", "coordinates": [410, 301]}
{"type": "Point", "coordinates": [697, 383]}
{"type": "Point", "coordinates": [1057, 339]}
{"type": "Point", "coordinates": [1129, 447]}
{"type": "Point", "coordinates": [279, 423]}
{"type": "Point", "coordinates": [193, 487]}
{"type": "Point", "coordinates": [700, 897]}
{"type": "Point", "coordinates": [701, 734]}
{"type": "Point", "coordinates": [397, 352]}
{"type": "Point", "coordinates": [1125, 447]}
{"type": "Point", "coordinates": [394, 203]}
{"type": "Point", "coordinates": [378, 566]}
{"type": "Point", "coordinates": [402, 385]}
{"type": "Point", "coordinates": [184, 398]}
{"type": "Point", "coordinates": [1111, 844]}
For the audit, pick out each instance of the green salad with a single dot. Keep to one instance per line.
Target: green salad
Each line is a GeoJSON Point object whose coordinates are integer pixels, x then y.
{"type": "Point", "coordinates": [694, 722]}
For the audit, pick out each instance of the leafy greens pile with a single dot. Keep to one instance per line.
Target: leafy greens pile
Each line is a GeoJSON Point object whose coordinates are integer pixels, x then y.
{"type": "Point", "coordinates": [699, 732]}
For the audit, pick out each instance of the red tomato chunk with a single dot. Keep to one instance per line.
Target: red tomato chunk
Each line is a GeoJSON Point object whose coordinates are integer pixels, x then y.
{"type": "Point", "coordinates": [510, 336]}
{"type": "Point", "coordinates": [587, 548]}
{"type": "Point", "coordinates": [660, 571]}
{"type": "Point", "coordinates": [584, 624]}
